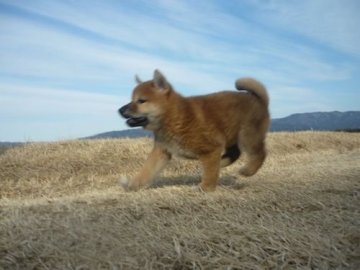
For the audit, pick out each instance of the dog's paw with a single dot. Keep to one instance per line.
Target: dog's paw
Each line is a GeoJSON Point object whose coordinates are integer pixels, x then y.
{"type": "Point", "coordinates": [197, 188]}
{"type": "Point", "coordinates": [129, 184]}
{"type": "Point", "coordinates": [245, 171]}
{"type": "Point", "coordinates": [124, 182]}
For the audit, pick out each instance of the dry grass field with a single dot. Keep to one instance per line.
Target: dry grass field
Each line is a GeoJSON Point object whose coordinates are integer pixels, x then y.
{"type": "Point", "coordinates": [61, 207]}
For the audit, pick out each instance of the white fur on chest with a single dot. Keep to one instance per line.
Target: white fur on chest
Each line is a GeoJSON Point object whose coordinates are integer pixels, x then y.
{"type": "Point", "coordinates": [178, 150]}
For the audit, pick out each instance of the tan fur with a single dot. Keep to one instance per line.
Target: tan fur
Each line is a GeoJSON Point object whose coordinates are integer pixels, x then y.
{"type": "Point", "coordinates": [202, 127]}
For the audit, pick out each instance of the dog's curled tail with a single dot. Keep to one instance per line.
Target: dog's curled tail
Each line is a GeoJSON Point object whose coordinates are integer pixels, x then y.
{"type": "Point", "coordinates": [253, 86]}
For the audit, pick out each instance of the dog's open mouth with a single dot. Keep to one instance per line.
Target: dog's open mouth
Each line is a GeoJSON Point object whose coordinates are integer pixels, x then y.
{"type": "Point", "coordinates": [133, 121]}
{"type": "Point", "coordinates": [137, 121]}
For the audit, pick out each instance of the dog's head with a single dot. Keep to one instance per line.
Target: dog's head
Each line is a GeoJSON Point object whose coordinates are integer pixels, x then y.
{"type": "Point", "coordinates": [147, 102]}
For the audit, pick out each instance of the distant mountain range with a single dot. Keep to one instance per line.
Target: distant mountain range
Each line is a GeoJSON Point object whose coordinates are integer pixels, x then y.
{"type": "Point", "coordinates": [295, 122]}
{"type": "Point", "coordinates": [349, 121]}
{"type": "Point", "coordinates": [317, 121]}
{"type": "Point", "coordinates": [130, 133]}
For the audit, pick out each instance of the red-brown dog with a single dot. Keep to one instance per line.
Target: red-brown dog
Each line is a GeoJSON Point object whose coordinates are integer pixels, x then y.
{"type": "Point", "coordinates": [211, 128]}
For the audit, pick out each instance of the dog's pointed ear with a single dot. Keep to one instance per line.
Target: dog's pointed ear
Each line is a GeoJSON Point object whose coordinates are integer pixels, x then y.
{"type": "Point", "coordinates": [160, 81]}
{"type": "Point", "coordinates": [138, 80]}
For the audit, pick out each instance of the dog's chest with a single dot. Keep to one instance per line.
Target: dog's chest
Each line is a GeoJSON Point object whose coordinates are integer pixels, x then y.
{"type": "Point", "coordinates": [179, 150]}
{"type": "Point", "coordinates": [176, 147]}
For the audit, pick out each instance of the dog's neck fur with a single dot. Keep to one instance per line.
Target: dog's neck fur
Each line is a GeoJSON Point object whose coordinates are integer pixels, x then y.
{"type": "Point", "coordinates": [177, 114]}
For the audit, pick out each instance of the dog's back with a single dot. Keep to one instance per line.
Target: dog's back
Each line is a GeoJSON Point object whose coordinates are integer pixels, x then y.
{"type": "Point", "coordinates": [228, 112]}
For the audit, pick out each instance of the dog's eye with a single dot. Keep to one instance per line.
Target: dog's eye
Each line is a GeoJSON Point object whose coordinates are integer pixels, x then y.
{"type": "Point", "coordinates": [141, 101]}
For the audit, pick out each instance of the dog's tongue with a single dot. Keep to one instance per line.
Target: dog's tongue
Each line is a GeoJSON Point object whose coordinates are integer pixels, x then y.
{"type": "Point", "coordinates": [137, 122]}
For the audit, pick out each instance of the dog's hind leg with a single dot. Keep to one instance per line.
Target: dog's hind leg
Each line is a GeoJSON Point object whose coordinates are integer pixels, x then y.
{"type": "Point", "coordinates": [211, 170]}
{"type": "Point", "coordinates": [231, 154]}
{"type": "Point", "coordinates": [252, 141]}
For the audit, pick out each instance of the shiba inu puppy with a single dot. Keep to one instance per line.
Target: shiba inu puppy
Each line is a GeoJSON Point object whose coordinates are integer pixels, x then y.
{"type": "Point", "coordinates": [213, 128]}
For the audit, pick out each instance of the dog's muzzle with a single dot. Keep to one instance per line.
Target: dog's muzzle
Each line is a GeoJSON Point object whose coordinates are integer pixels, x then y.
{"type": "Point", "coordinates": [133, 121]}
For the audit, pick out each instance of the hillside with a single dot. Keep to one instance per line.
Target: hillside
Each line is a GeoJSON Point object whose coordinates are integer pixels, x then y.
{"type": "Point", "coordinates": [318, 121]}
{"type": "Point", "coordinates": [296, 122]}
{"type": "Point", "coordinates": [7, 145]}
{"type": "Point", "coordinates": [61, 207]}
{"type": "Point", "coordinates": [127, 133]}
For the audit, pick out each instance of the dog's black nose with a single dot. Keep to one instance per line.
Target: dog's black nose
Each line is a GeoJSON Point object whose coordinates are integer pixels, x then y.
{"type": "Point", "coordinates": [122, 111]}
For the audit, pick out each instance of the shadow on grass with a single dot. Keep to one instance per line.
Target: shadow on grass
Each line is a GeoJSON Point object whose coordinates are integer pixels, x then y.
{"type": "Point", "coordinates": [224, 181]}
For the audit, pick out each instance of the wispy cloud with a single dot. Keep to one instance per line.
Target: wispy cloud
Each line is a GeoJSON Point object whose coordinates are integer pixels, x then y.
{"type": "Point", "coordinates": [330, 22]}
{"type": "Point", "coordinates": [151, 39]}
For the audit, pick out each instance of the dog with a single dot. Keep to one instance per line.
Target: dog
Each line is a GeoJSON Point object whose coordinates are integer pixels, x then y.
{"type": "Point", "coordinates": [214, 129]}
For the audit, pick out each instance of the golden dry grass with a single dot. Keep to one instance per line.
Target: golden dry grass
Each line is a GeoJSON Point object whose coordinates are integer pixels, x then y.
{"type": "Point", "coordinates": [61, 208]}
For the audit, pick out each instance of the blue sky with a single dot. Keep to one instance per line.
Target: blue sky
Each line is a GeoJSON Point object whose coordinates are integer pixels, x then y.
{"type": "Point", "coordinates": [67, 66]}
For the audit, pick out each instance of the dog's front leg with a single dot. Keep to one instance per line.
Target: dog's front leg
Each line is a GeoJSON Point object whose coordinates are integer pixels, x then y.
{"type": "Point", "coordinates": [211, 170]}
{"type": "Point", "coordinates": [155, 162]}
